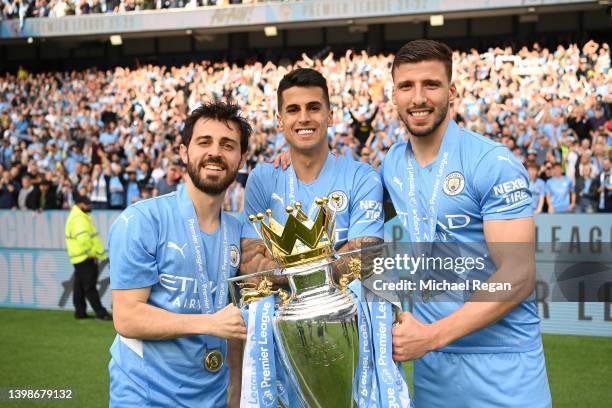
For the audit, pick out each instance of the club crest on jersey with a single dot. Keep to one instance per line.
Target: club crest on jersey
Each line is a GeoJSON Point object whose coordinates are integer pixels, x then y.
{"type": "Point", "coordinates": [341, 204]}
{"type": "Point", "coordinates": [454, 183]}
{"type": "Point", "coordinates": [234, 256]}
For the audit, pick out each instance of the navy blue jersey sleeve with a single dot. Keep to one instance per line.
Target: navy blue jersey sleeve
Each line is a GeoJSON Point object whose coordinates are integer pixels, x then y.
{"type": "Point", "coordinates": [132, 244]}
{"type": "Point", "coordinates": [502, 184]}
{"type": "Point", "coordinates": [366, 210]}
{"type": "Point", "coordinates": [256, 198]}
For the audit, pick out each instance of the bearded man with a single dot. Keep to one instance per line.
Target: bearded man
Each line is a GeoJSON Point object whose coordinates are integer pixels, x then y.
{"type": "Point", "coordinates": [170, 258]}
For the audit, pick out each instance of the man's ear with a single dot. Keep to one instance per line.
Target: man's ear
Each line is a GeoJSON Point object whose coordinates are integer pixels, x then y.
{"type": "Point", "coordinates": [243, 159]}
{"type": "Point", "coordinates": [183, 154]}
{"type": "Point", "coordinates": [279, 119]}
{"type": "Point", "coordinates": [452, 92]}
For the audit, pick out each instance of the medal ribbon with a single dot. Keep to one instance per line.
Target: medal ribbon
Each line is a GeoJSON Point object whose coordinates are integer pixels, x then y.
{"type": "Point", "coordinates": [207, 302]}
{"type": "Point", "coordinates": [425, 231]}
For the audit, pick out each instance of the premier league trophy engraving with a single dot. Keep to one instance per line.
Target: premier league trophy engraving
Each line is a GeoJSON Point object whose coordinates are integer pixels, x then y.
{"type": "Point", "coordinates": [315, 325]}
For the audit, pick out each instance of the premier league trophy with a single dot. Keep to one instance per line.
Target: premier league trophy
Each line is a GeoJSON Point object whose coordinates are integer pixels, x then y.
{"type": "Point", "coordinates": [304, 346]}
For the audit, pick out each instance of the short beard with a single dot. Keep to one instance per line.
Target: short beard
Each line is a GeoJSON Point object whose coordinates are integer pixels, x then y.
{"type": "Point", "coordinates": [210, 187]}
{"type": "Point", "coordinates": [426, 132]}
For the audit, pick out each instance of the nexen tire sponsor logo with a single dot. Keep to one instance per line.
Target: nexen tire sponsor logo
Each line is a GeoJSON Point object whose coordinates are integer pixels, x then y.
{"type": "Point", "coordinates": [372, 208]}
{"type": "Point", "coordinates": [513, 191]}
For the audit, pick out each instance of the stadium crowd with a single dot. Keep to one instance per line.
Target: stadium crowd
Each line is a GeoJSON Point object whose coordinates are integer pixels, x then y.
{"type": "Point", "coordinates": [114, 135]}
{"type": "Point", "coordinates": [59, 8]}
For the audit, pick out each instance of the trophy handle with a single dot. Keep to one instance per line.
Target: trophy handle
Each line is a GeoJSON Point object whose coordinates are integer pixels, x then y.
{"type": "Point", "coordinates": [251, 291]}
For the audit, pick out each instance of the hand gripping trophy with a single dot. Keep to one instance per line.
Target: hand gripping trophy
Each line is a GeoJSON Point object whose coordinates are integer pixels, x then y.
{"type": "Point", "coordinates": [319, 344]}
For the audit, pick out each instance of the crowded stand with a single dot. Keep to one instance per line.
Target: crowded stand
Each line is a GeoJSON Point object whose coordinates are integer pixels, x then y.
{"type": "Point", "coordinates": [114, 135]}
{"type": "Point", "coordinates": [10, 9]}
{"type": "Point", "coordinates": [59, 8]}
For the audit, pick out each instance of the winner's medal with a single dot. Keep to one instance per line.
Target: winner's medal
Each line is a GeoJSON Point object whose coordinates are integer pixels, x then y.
{"type": "Point", "coordinates": [213, 361]}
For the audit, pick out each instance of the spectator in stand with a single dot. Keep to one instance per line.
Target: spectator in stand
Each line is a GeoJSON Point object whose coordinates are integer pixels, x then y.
{"type": "Point", "coordinates": [587, 191]}
{"type": "Point", "coordinates": [537, 188]}
{"type": "Point", "coordinates": [116, 187]}
{"type": "Point", "coordinates": [100, 187]}
{"type": "Point", "coordinates": [8, 189]}
{"type": "Point", "coordinates": [605, 188]}
{"type": "Point", "coordinates": [48, 196]}
{"type": "Point", "coordinates": [560, 195]}
{"type": "Point", "coordinates": [110, 134]}
{"type": "Point", "coordinates": [362, 126]}
{"type": "Point", "coordinates": [132, 189]}
{"type": "Point", "coordinates": [28, 197]}
{"type": "Point", "coordinates": [169, 183]}
{"type": "Point", "coordinates": [579, 123]}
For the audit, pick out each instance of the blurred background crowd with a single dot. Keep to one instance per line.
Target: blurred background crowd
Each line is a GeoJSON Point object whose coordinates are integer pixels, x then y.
{"type": "Point", "coordinates": [114, 135]}
{"type": "Point", "coordinates": [59, 8]}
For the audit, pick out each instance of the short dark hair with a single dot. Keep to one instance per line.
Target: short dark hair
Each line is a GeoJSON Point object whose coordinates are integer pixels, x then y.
{"type": "Point", "coordinates": [304, 77]}
{"type": "Point", "coordinates": [222, 111]}
{"type": "Point", "coordinates": [424, 50]}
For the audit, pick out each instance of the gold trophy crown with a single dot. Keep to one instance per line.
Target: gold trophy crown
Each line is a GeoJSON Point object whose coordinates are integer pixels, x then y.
{"type": "Point", "coordinates": [300, 240]}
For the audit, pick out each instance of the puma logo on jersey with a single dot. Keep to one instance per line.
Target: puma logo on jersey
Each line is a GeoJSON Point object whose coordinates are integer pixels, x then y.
{"type": "Point", "coordinates": [399, 183]}
{"type": "Point", "coordinates": [506, 158]}
{"type": "Point", "coordinates": [126, 218]}
{"type": "Point", "coordinates": [279, 198]}
{"type": "Point", "coordinates": [172, 245]}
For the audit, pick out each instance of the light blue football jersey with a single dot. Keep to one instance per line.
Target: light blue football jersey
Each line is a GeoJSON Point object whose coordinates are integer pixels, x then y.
{"type": "Point", "coordinates": [538, 189]}
{"type": "Point", "coordinates": [359, 211]}
{"type": "Point", "coordinates": [149, 247]}
{"type": "Point", "coordinates": [482, 180]}
{"type": "Point", "coordinates": [560, 190]}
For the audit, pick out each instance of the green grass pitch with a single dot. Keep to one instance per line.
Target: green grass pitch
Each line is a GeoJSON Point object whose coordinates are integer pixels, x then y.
{"type": "Point", "coordinates": [51, 350]}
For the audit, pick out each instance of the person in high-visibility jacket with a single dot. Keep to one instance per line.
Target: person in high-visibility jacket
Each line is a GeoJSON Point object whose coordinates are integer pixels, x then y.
{"type": "Point", "coordinates": [85, 250]}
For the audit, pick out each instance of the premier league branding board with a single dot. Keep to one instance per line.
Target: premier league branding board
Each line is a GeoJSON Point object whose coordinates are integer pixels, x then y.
{"type": "Point", "coordinates": [35, 271]}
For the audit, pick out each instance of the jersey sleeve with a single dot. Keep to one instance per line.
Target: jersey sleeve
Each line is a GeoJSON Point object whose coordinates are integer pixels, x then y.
{"type": "Point", "coordinates": [132, 244]}
{"type": "Point", "coordinates": [255, 199]}
{"type": "Point", "coordinates": [366, 209]}
{"type": "Point", "coordinates": [502, 185]}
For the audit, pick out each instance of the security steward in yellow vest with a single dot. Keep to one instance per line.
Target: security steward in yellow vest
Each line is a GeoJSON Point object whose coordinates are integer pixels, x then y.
{"type": "Point", "coordinates": [85, 250]}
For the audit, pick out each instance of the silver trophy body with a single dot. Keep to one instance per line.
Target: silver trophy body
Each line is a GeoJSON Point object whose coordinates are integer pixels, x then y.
{"type": "Point", "coordinates": [315, 326]}
{"type": "Point", "coordinates": [318, 332]}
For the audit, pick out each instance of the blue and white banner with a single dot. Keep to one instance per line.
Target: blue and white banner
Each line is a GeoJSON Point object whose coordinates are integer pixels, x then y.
{"type": "Point", "coordinates": [35, 270]}
{"type": "Point", "coordinates": [42, 279]}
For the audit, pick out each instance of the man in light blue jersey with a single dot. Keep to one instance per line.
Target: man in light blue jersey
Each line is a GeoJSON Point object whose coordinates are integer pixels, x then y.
{"type": "Point", "coordinates": [304, 114]}
{"type": "Point", "coordinates": [170, 258]}
{"type": "Point", "coordinates": [451, 185]}
{"type": "Point", "coordinates": [537, 187]}
{"type": "Point", "coordinates": [560, 194]}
